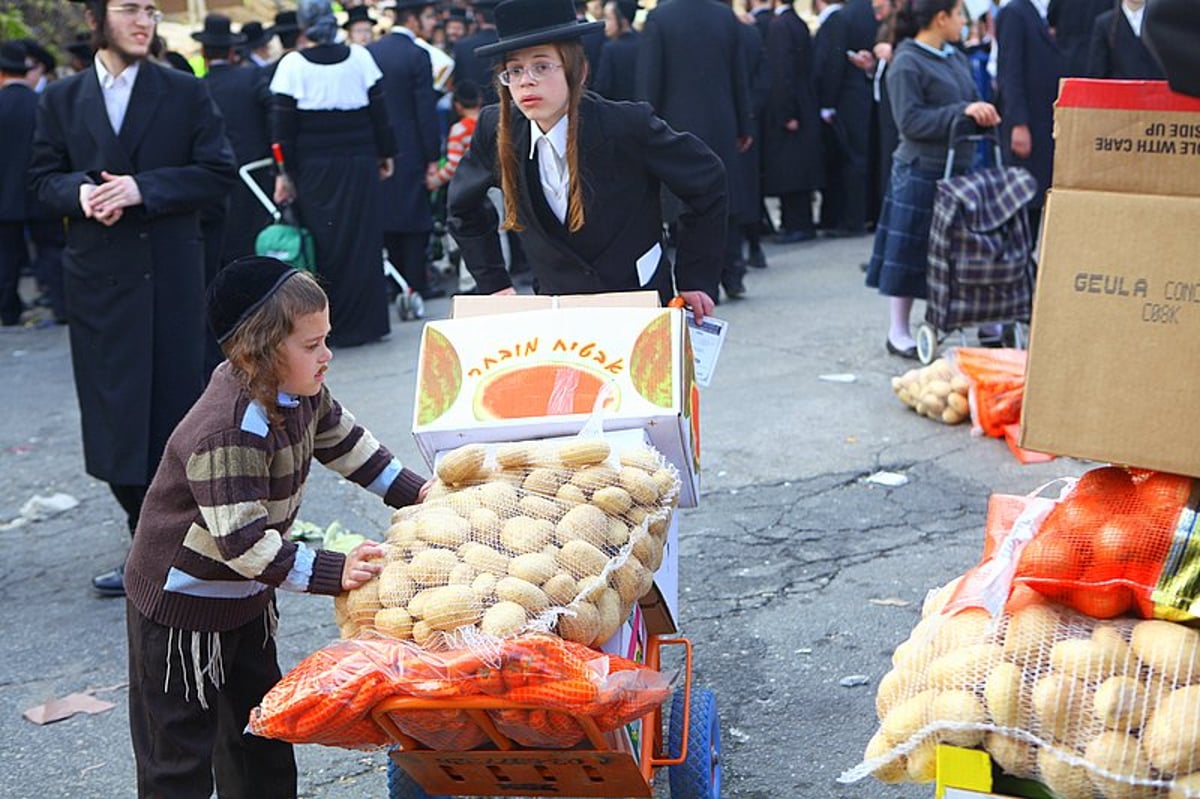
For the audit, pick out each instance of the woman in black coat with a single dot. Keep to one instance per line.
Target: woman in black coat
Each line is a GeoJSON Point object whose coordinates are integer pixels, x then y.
{"type": "Point", "coordinates": [581, 175]}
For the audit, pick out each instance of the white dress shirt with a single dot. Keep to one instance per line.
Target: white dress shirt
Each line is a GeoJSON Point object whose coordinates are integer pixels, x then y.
{"type": "Point", "coordinates": [116, 92]}
{"type": "Point", "coordinates": [551, 151]}
{"type": "Point", "coordinates": [1135, 18]}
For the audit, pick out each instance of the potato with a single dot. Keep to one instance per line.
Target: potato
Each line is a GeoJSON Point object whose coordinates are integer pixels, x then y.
{"type": "Point", "coordinates": [461, 465]}
{"type": "Point", "coordinates": [958, 403]}
{"type": "Point", "coordinates": [1121, 754]}
{"type": "Point", "coordinates": [894, 686]}
{"type": "Point", "coordinates": [484, 586]}
{"type": "Point", "coordinates": [523, 592]}
{"type": "Point", "coordinates": [963, 667]}
{"type": "Point", "coordinates": [666, 482]}
{"type": "Point", "coordinates": [965, 628]}
{"type": "Point", "coordinates": [1171, 736]}
{"type": "Point", "coordinates": [618, 533]}
{"type": "Point", "coordinates": [1061, 705]}
{"type": "Point", "coordinates": [582, 522]}
{"type": "Point", "coordinates": [1069, 782]}
{"type": "Point", "coordinates": [959, 707]}
{"type": "Point", "coordinates": [584, 452]}
{"type": "Point", "coordinates": [608, 605]}
{"type": "Point", "coordinates": [561, 589]}
{"type": "Point", "coordinates": [1169, 649]}
{"type": "Point", "coordinates": [570, 494]}
{"type": "Point", "coordinates": [485, 523]}
{"type": "Point", "coordinates": [640, 485]}
{"type": "Point", "coordinates": [1186, 787]}
{"type": "Point", "coordinates": [1120, 703]}
{"type": "Point", "coordinates": [940, 388]}
{"type": "Point", "coordinates": [907, 717]}
{"type": "Point", "coordinates": [543, 481]}
{"type": "Point", "coordinates": [637, 516]}
{"type": "Point", "coordinates": [922, 762]}
{"type": "Point", "coordinates": [463, 502]}
{"type": "Point", "coordinates": [364, 603]}
{"type": "Point", "coordinates": [951, 416]}
{"type": "Point", "coordinates": [402, 533]}
{"type": "Point", "coordinates": [960, 384]}
{"type": "Point", "coordinates": [1090, 660]}
{"type": "Point", "coordinates": [485, 558]}
{"type": "Point", "coordinates": [395, 587]}
{"type": "Point", "coordinates": [516, 455]}
{"type": "Point", "coordinates": [416, 605]}
{"type": "Point", "coordinates": [580, 623]}
{"type": "Point", "coordinates": [538, 507]}
{"type": "Point", "coordinates": [937, 598]}
{"type": "Point", "coordinates": [421, 633]}
{"type": "Point", "coordinates": [436, 491]}
{"type": "Point", "coordinates": [1029, 634]}
{"type": "Point", "coordinates": [443, 527]}
{"type": "Point", "coordinates": [522, 534]}
{"type": "Point", "coordinates": [394, 623]}
{"type": "Point", "coordinates": [590, 478]}
{"type": "Point", "coordinates": [432, 567]}
{"type": "Point", "coordinates": [630, 579]}
{"type": "Point", "coordinates": [613, 500]}
{"type": "Point", "coordinates": [646, 550]}
{"type": "Point", "coordinates": [499, 496]}
{"type": "Point", "coordinates": [934, 405]}
{"type": "Point", "coordinates": [1014, 756]}
{"type": "Point", "coordinates": [533, 567]}
{"type": "Point", "coordinates": [462, 574]}
{"type": "Point", "coordinates": [894, 770]}
{"type": "Point", "coordinates": [503, 619]}
{"type": "Point", "coordinates": [450, 607]}
{"type": "Point", "coordinates": [1003, 694]}
{"type": "Point", "coordinates": [642, 458]}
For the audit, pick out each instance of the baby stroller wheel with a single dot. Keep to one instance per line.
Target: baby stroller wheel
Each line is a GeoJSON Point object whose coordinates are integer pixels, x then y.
{"type": "Point", "coordinates": [927, 342]}
{"type": "Point", "coordinates": [410, 305]}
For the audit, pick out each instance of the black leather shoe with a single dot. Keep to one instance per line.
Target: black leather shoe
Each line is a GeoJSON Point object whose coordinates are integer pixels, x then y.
{"type": "Point", "coordinates": [111, 583]}
{"type": "Point", "coordinates": [910, 353]}
{"type": "Point", "coordinates": [794, 236]}
{"type": "Point", "coordinates": [757, 259]}
{"type": "Point", "coordinates": [735, 289]}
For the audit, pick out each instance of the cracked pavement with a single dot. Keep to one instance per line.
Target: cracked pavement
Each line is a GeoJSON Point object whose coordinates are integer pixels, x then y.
{"type": "Point", "coordinates": [777, 567]}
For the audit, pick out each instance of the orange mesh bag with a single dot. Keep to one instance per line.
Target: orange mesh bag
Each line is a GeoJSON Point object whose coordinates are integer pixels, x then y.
{"type": "Point", "coordinates": [446, 730]}
{"type": "Point", "coordinates": [1120, 542]}
{"type": "Point", "coordinates": [1093, 709]}
{"type": "Point", "coordinates": [538, 729]}
{"type": "Point", "coordinates": [997, 378]}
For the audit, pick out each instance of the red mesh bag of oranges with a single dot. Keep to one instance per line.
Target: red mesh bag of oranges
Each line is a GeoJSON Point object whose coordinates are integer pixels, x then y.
{"type": "Point", "coordinates": [997, 392]}
{"type": "Point", "coordinates": [1122, 541]}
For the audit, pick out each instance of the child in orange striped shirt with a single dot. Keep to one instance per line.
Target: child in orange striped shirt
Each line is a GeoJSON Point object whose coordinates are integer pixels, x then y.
{"type": "Point", "coordinates": [467, 102]}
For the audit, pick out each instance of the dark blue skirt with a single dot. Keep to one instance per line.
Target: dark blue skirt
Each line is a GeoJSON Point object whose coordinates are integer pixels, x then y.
{"type": "Point", "coordinates": [901, 253]}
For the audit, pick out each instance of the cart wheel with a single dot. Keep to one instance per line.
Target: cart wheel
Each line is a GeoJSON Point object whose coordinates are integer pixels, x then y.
{"type": "Point", "coordinates": [403, 786]}
{"type": "Point", "coordinates": [417, 303]}
{"type": "Point", "coordinates": [699, 776]}
{"type": "Point", "coordinates": [927, 342]}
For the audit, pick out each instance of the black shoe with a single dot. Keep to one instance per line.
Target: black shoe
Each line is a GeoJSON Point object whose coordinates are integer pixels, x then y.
{"type": "Point", "coordinates": [735, 289]}
{"type": "Point", "coordinates": [111, 583]}
{"type": "Point", "coordinates": [910, 353]}
{"type": "Point", "coordinates": [433, 293]}
{"type": "Point", "coordinates": [864, 266]}
{"type": "Point", "coordinates": [757, 259]}
{"type": "Point", "coordinates": [794, 236]}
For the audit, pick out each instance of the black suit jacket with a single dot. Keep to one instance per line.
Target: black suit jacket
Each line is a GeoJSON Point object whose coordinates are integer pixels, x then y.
{"type": "Point", "coordinates": [793, 158]}
{"type": "Point", "coordinates": [243, 95]}
{"type": "Point", "coordinates": [135, 290]}
{"type": "Point", "coordinates": [412, 110]}
{"type": "Point", "coordinates": [593, 43]}
{"type": "Point", "coordinates": [1073, 22]}
{"type": "Point", "coordinates": [468, 66]}
{"type": "Point", "coordinates": [626, 154]}
{"type": "Point", "coordinates": [1117, 53]}
{"type": "Point", "coordinates": [762, 21]}
{"type": "Point", "coordinates": [18, 110]}
{"type": "Point", "coordinates": [616, 78]}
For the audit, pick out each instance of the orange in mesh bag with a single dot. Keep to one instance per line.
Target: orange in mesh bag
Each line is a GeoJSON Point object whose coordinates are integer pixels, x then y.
{"type": "Point", "coordinates": [997, 378]}
{"type": "Point", "coordinates": [1092, 709]}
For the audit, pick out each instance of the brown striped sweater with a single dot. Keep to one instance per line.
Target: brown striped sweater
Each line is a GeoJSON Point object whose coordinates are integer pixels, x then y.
{"type": "Point", "coordinates": [211, 543]}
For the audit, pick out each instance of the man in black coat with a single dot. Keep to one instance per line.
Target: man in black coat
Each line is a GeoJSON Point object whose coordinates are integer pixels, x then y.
{"type": "Point", "coordinates": [793, 127]}
{"type": "Point", "coordinates": [593, 41]}
{"type": "Point", "coordinates": [844, 97]}
{"type": "Point", "coordinates": [692, 69]}
{"type": "Point", "coordinates": [18, 109]}
{"type": "Point", "coordinates": [616, 77]}
{"type": "Point", "coordinates": [131, 180]}
{"type": "Point", "coordinates": [1072, 22]}
{"type": "Point", "coordinates": [412, 109]}
{"type": "Point", "coordinates": [1117, 50]}
{"type": "Point", "coordinates": [467, 65]}
{"type": "Point", "coordinates": [763, 12]}
{"type": "Point", "coordinates": [1029, 66]}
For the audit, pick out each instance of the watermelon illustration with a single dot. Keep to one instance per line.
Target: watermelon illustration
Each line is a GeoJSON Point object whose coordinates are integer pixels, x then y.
{"type": "Point", "coordinates": [439, 377]}
{"type": "Point", "coordinates": [650, 362]}
{"type": "Point", "coordinates": [543, 389]}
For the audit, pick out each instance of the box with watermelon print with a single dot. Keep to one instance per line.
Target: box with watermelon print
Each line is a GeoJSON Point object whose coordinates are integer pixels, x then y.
{"type": "Point", "coordinates": [535, 374]}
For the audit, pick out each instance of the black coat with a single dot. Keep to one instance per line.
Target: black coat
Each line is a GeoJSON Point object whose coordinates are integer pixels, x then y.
{"type": "Point", "coordinates": [135, 290]}
{"type": "Point", "coordinates": [840, 84]}
{"type": "Point", "coordinates": [412, 109]}
{"type": "Point", "coordinates": [762, 20]}
{"type": "Point", "coordinates": [616, 78]}
{"type": "Point", "coordinates": [1073, 22]}
{"type": "Point", "coordinates": [626, 155]}
{"type": "Point", "coordinates": [18, 111]}
{"type": "Point", "coordinates": [692, 69]}
{"type": "Point", "coordinates": [745, 188]}
{"type": "Point", "coordinates": [1029, 66]}
{"type": "Point", "coordinates": [1117, 53]}
{"type": "Point", "coordinates": [468, 66]}
{"type": "Point", "coordinates": [593, 43]}
{"type": "Point", "coordinates": [793, 159]}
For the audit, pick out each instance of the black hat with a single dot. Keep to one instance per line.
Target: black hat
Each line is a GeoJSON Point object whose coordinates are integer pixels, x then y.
{"type": "Point", "coordinates": [240, 289]}
{"type": "Point", "coordinates": [524, 23]}
{"type": "Point", "coordinates": [628, 9]}
{"type": "Point", "coordinates": [414, 5]}
{"type": "Point", "coordinates": [256, 36]}
{"type": "Point", "coordinates": [1170, 31]}
{"type": "Point", "coordinates": [12, 58]}
{"type": "Point", "coordinates": [358, 14]}
{"type": "Point", "coordinates": [40, 54]}
{"type": "Point", "coordinates": [177, 61]}
{"type": "Point", "coordinates": [456, 13]}
{"type": "Point", "coordinates": [81, 47]}
{"type": "Point", "coordinates": [285, 22]}
{"type": "Point", "coordinates": [218, 32]}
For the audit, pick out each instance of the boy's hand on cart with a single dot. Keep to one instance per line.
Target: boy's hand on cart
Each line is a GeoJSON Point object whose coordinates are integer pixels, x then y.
{"type": "Point", "coordinates": [364, 562]}
{"type": "Point", "coordinates": [424, 491]}
{"type": "Point", "coordinates": [984, 114]}
{"type": "Point", "coordinates": [285, 192]}
{"type": "Point", "coordinates": [699, 302]}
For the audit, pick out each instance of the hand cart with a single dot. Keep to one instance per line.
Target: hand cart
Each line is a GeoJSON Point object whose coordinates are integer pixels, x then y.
{"type": "Point", "coordinates": [598, 767]}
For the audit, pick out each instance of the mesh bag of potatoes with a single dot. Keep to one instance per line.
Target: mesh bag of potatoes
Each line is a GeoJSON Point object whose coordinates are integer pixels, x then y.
{"type": "Point", "coordinates": [936, 391]}
{"type": "Point", "coordinates": [1090, 708]}
{"type": "Point", "coordinates": [537, 536]}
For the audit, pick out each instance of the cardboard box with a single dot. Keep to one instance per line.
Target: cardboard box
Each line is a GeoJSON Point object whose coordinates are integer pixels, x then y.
{"type": "Point", "coordinates": [541, 373]}
{"type": "Point", "coordinates": [466, 305]}
{"type": "Point", "coordinates": [1113, 361]}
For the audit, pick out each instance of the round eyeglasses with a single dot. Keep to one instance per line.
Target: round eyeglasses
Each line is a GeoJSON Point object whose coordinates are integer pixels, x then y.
{"type": "Point", "coordinates": [536, 72]}
{"type": "Point", "coordinates": [134, 11]}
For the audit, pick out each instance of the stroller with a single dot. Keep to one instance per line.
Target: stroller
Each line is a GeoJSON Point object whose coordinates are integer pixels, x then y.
{"type": "Point", "coordinates": [981, 267]}
{"type": "Point", "coordinates": [409, 303]}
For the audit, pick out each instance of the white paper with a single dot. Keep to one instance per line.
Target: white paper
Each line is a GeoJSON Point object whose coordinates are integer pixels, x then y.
{"type": "Point", "coordinates": [707, 338]}
{"type": "Point", "coordinates": [647, 265]}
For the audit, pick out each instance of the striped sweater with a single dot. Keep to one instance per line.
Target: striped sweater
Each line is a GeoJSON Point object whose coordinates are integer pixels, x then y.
{"type": "Point", "coordinates": [211, 543]}
{"type": "Point", "coordinates": [456, 147]}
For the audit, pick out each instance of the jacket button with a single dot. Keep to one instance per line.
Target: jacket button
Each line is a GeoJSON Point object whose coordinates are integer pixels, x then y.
{"type": "Point", "coordinates": [143, 235]}
{"type": "Point", "coordinates": [145, 276]}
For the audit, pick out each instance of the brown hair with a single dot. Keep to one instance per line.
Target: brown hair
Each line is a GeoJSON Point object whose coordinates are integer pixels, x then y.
{"type": "Point", "coordinates": [575, 70]}
{"type": "Point", "coordinates": [256, 347]}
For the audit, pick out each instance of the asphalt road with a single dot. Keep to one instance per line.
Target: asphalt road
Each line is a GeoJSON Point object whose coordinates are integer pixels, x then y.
{"type": "Point", "coordinates": [779, 564]}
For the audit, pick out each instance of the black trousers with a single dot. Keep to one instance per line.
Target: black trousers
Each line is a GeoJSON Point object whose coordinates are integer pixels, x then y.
{"type": "Point", "coordinates": [795, 211]}
{"type": "Point", "coordinates": [49, 240]}
{"type": "Point", "coordinates": [14, 256]}
{"type": "Point", "coordinates": [179, 745]}
{"type": "Point", "coordinates": [406, 251]}
{"type": "Point", "coordinates": [130, 498]}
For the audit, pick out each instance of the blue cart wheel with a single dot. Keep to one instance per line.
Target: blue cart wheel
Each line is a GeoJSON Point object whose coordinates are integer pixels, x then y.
{"type": "Point", "coordinates": [402, 786]}
{"type": "Point", "coordinates": [699, 776]}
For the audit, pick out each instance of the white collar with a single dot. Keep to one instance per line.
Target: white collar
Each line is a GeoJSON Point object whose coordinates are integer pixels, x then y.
{"type": "Point", "coordinates": [403, 31]}
{"type": "Point", "coordinates": [1042, 6]}
{"type": "Point", "coordinates": [783, 9]}
{"type": "Point", "coordinates": [557, 137]}
{"type": "Point", "coordinates": [827, 12]}
{"type": "Point", "coordinates": [286, 400]}
{"type": "Point", "coordinates": [1134, 17]}
{"type": "Point", "coordinates": [107, 81]}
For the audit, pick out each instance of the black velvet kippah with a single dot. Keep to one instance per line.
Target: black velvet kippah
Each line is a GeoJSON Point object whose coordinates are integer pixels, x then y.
{"type": "Point", "coordinates": [240, 289]}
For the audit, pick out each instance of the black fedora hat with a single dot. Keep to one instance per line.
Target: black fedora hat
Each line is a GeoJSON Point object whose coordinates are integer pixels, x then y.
{"type": "Point", "coordinates": [12, 58]}
{"type": "Point", "coordinates": [81, 46]}
{"type": "Point", "coordinates": [358, 14]}
{"type": "Point", "coordinates": [218, 32]}
{"type": "Point", "coordinates": [525, 23]}
{"type": "Point", "coordinates": [457, 13]}
{"type": "Point", "coordinates": [256, 35]}
{"type": "Point", "coordinates": [285, 22]}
